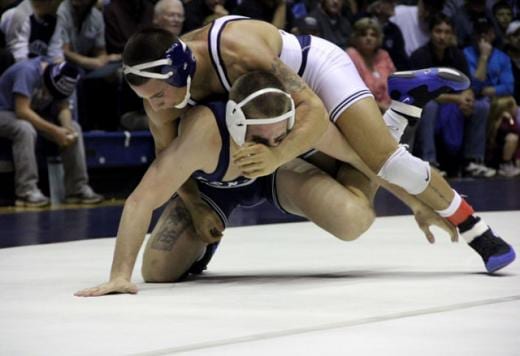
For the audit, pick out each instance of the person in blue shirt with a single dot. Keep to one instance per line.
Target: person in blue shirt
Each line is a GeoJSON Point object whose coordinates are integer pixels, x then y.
{"type": "Point", "coordinates": [491, 76]}
{"type": "Point", "coordinates": [34, 100]}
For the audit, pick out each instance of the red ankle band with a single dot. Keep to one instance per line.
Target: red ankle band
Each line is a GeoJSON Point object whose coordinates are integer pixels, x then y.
{"type": "Point", "coordinates": [461, 214]}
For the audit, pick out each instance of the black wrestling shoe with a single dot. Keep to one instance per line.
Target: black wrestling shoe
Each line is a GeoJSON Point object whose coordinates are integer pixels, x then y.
{"type": "Point", "coordinates": [495, 252]}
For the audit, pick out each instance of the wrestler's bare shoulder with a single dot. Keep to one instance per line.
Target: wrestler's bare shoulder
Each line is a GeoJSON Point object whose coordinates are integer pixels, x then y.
{"type": "Point", "coordinates": [200, 34]}
{"type": "Point", "coordinates": [249, 45]}
{"type": "Point", "coordinates": [245, 31]}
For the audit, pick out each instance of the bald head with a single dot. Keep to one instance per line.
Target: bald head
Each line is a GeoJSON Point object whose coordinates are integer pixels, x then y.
{"type": "Point", "coordinates": [169, 15]}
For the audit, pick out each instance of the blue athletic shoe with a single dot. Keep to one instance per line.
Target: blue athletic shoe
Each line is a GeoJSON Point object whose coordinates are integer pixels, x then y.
{"type": "Point", "coordinates": [417, 87]}
{"type": "Point", "coordinates": [495, 252]}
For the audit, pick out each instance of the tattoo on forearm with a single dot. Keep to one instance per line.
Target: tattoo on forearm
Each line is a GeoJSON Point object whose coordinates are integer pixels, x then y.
{"type": "Point", "coordinates": [173, 227]}
{"type": "Point", "coordinates": [293, 83]}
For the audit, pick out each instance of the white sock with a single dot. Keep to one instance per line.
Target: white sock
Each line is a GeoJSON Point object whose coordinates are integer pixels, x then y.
{"type": "Point", "coordinates": [478, 229]}
{"type": "Point", "coordinates": [396, 123]}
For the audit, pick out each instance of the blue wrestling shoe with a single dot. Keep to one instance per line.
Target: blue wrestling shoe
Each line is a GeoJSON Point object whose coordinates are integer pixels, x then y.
{"type": "Point", "coordinates": [415, 88]}
{"type": "Point", "coordinates": [495, 252]}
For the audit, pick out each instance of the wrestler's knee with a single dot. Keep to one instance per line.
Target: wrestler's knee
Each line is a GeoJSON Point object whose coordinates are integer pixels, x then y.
{"type": "Point", "coordinates": [406, 171]}
{"type": "Point", "coordinates": [358, 219]}
{"type": "Point", "coordinates": [156, 271]}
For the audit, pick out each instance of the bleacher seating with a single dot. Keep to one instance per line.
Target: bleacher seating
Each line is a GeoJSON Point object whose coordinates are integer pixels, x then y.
{"type": "Point", "coordinates": [118, 149]}
{"type": "Point", "coordinates": [103, 150]}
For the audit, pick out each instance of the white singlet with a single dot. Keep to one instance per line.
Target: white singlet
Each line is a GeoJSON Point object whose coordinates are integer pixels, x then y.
{"type": "Point", "coordinates": [326, 68]}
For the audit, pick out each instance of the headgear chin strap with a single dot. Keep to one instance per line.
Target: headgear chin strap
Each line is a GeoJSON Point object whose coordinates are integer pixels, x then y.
{"type": "Point", "coordinates": [187, 97]}
{"type": "Point", "coordinates": [236, 120]}
{"type": "Point", "coordinates": [178, 66]}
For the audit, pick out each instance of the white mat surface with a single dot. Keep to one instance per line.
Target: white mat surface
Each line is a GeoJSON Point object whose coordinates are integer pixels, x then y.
{"type": "Point", "coordinates": [287, 289]}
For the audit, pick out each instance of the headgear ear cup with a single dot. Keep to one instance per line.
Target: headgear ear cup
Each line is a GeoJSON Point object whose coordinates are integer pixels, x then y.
{"type": "Point", "coordinates": [182, 64]}
{"type": "Point", "coordinates": [235, 122]}
{"type": "Point", "coordinates": [177, 68]}
{"type": "Point", "coordinates": [177, 65]}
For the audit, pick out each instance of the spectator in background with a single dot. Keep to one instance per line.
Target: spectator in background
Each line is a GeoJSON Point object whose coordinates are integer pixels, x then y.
{"type": "Point", "coordinates": [451, 6]}
{"type": "Point", "coordinates": [413, 22]}
{"type": "Point", "coordinates": [306, 25]}
{"type": "Point", "coordinates": [393, 41]}
{"type": "Point", "coordinates": [122, 19]}
{"type": "Point", "coordinates": [33, 29]}
{"type": "Point", "coordinates": [491, 76]}
{"type": "Point", "coordinates": [201, 12]}
{"type": "Point", "coordinates": [502, 17]}
{"type": "Point", "coordinates": [169, 15]}
{"type": "Point", "coordinates": [33, 98]}
{"type": "Point", "coordinates": [334, 26]}
{"type": "Point", "coordinates": [515, 6]}
{"type": "Point", "coordinates": [503, 133]}
{"type": "Point", "coordinates": [6, 57]}
{"type": "Point", "coordinates": [490, 67]}
{"type": "Point", "coordinates": [272, 11]}
{"type": "Point", "coordinates": [83, 38]}
{"type": "Point", "coordinates": [512, 48]}
{"type": "Point", "coordinates": [442, 119]}
{"type": "Point", "coordinates": [464, 18]}
{"type": "Point", "coordinates": [83, 35]}
{"type": "Point", "coordinates": [8, 4]}
{"type": "Point", "coordinates": [372, 62]}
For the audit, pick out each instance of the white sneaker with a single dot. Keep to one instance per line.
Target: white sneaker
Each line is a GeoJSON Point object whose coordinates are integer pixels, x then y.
{"type": "Point", "coordinates": [479, 170]}
{"type": "Point", "coordinates": [33, 199]}
{"type": "Point", "coordinates": [86, 197]}
{"type": "Point", "coordinates": [508, 169]}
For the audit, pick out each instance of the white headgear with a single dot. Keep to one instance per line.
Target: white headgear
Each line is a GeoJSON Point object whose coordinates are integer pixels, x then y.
{"type": "Point", "coordinates": [236, 120]}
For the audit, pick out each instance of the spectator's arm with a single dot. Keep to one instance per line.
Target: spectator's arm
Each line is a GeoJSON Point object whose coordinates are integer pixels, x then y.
{"type": "Point", "coordinates": [24, 111]}
{"type": "Point", "coordinates": [84, 61]}
{"type": "Point", "coordinates": [448, 98]}
{"type": "Point", "coordinates": [280, 14]}
{"type": "Point", "coordinates": [481, 70]}
{"type": "Point", "coordinates": [55, 50]}
{"type": "Point", "coordinates": [506, 80]}
{"type": "Point", "coordinates": [472, 59]}
{"type": "Point", "coordinates": [18, 41]}
{"type": "Point", "coordinates": [485, 51]}
{"type": "Point", "coordinates": [65, 115]}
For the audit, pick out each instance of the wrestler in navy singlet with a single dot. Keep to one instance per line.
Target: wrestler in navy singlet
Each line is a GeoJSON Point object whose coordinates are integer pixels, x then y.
{"type": "Point", "coordinates": [223, 196]}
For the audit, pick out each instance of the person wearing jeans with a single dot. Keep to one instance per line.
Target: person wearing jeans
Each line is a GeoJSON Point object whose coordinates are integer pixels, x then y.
{"type": "Point", "coordinates": [33, 100]}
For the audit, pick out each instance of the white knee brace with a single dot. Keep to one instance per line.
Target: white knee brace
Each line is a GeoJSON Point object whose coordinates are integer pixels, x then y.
{"type": "Point", "coordinates": [406, 171]}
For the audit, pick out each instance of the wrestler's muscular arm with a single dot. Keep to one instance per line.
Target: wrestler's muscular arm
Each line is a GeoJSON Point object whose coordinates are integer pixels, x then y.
{"type": "Point", "coordinates": [197, 148]}
{"type": "Point", "coordinates": [258, 50]}
{"type": "Point", "coordinates": [164, 130]}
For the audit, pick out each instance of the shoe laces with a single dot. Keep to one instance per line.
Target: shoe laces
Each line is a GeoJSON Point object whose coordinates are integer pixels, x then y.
{"type": "Point", "coordinates": [488, 244]}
